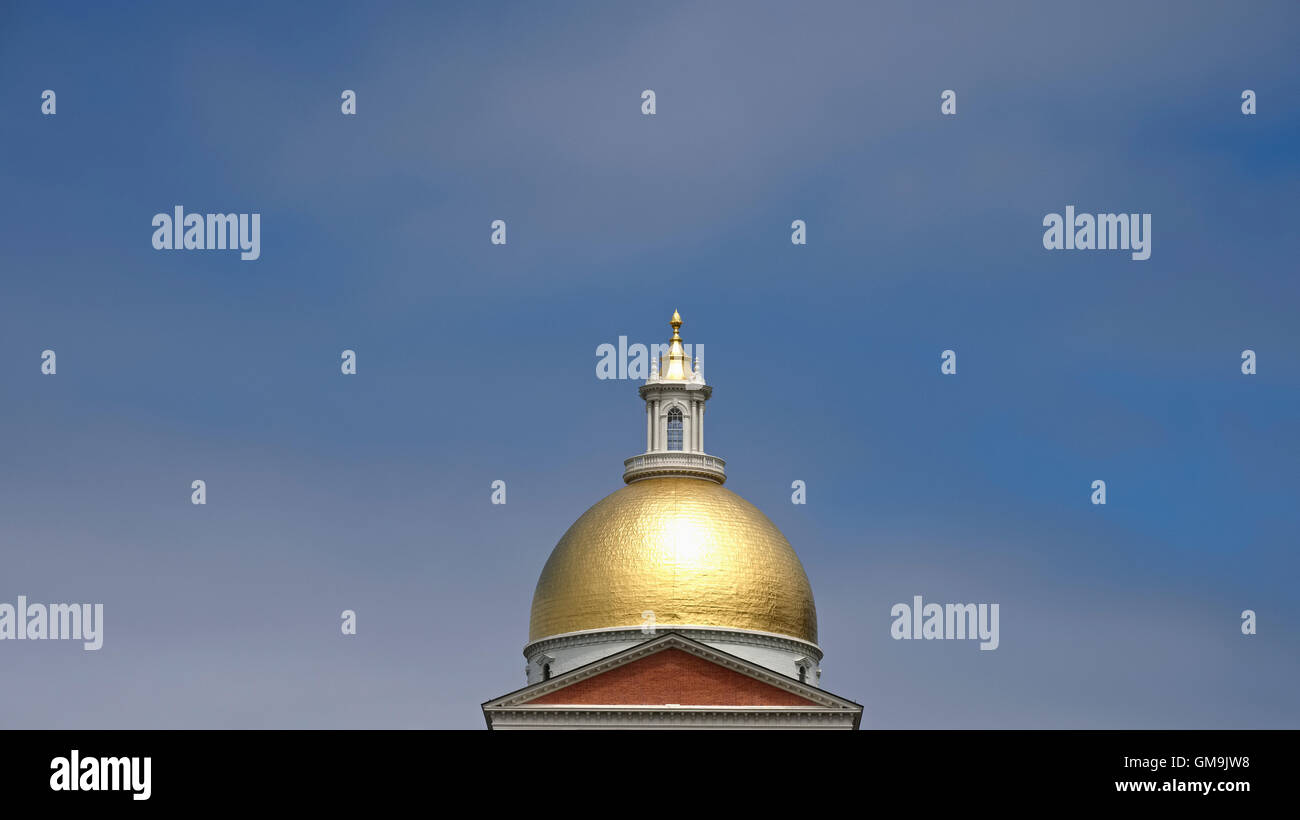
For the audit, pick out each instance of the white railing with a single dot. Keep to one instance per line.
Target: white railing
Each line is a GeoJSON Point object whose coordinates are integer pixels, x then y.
{"type": "Point", "coordinates": [648, 465]}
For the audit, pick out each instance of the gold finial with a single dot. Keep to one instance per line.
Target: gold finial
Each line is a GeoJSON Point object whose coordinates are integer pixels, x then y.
{"type": "Point", "coordinates": [678, 366]}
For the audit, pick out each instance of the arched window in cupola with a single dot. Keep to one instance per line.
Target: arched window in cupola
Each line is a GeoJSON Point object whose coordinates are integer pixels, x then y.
{"type": "Point", "coordinates": [675, 429]}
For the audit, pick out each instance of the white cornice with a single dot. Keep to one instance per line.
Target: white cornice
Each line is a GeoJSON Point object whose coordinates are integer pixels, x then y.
{"type": "Point", "coordinates": [658, 717]}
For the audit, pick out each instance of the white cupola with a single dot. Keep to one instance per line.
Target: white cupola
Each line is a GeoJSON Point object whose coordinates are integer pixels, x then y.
{"type": "Point", "coordinates": [675, 395]}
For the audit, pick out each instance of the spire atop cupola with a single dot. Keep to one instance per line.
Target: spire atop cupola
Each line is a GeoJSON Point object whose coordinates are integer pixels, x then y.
{"type": "Point", "coordinates": [678, 367]}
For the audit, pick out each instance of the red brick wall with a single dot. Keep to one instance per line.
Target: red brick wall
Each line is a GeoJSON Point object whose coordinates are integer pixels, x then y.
{"type": "Point", "coordinates": [672, 676]}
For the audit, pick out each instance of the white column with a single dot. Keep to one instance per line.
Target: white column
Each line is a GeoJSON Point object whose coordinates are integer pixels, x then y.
{"type": "Point", "coordinates": [688, 428]}
{"type": "Point", "coordinates": [689, 443]}
{"type": "Point", "coordinates": [701, 428]}
{"type": "Point", "coordinates": [654, 440]}
{"type": "Point", "coordinates": [649, 427]}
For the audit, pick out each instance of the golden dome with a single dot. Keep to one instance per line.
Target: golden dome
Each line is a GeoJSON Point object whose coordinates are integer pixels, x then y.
{"type": "Point", "coordinates": [690, 550]}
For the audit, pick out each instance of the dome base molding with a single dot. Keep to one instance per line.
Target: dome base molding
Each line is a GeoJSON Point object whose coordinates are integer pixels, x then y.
{"type": "Point", "coordinates": [779, 653]}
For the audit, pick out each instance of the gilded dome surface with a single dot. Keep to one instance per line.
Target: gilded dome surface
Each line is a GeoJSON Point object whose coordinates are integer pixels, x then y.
{"type": "Point", "coordinates": [690, 550]}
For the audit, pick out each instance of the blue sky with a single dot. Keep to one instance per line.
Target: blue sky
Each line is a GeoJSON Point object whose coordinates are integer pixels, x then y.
{"type": "Point", "coordinates": [477, 362]}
